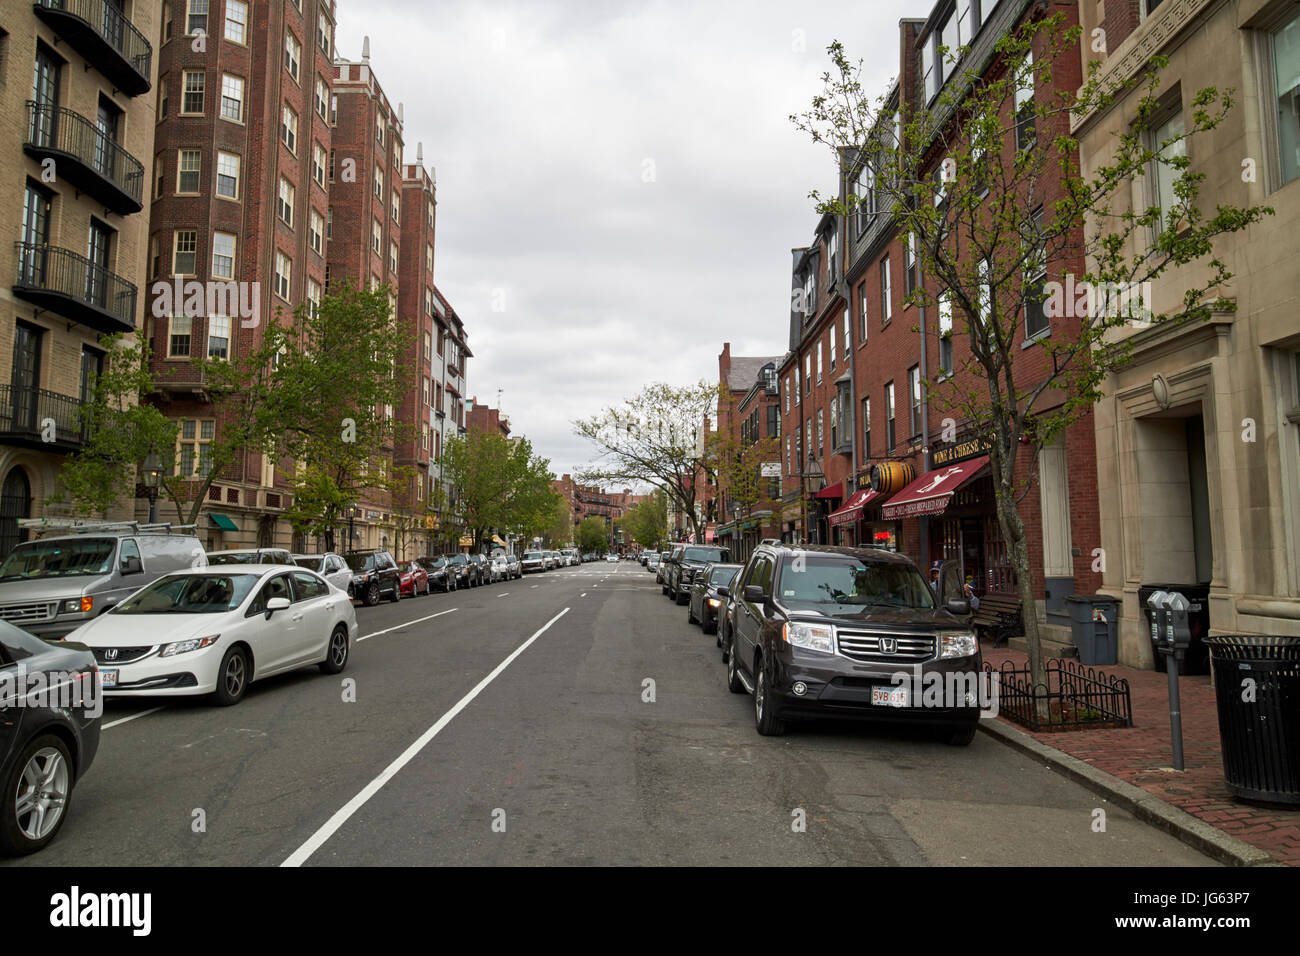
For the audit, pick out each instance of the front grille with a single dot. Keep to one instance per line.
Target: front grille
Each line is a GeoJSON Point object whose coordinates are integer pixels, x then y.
{"type": "Point", "coordinates": [26, 613]}
{"type": "Point", "coordinates": [866, 646]}
{"type": "Point", "coordinates": [125, 655]}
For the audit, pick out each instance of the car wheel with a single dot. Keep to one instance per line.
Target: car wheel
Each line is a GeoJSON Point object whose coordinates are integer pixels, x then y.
{"type": "Point", "coordinates": [961, 736]}
{"type": "Point", "coordinates": [397, 591]}
{"type": "Point", "coordinates": [709, 628]}
{"type": "Point", "coordinates": [371, 597]}
{"type": "Point", "coordinates": [690, 613]}
{"type": "Point", "coordinates": [765, 718]}
{"type": "Point", "coordinates": [336, 654]}
{"type": "Point", "coordinates": [232, 678]}
{"type": "Point", "coordinates": [733, 675]}
{"type": "Point", "coordinates": [681, 597]}
{"type": "Point", "coordinates": [36, 796]}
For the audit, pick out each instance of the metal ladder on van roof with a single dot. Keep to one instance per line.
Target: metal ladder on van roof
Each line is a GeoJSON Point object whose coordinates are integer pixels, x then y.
{"type": "Point", "coordinates": [79, 526]}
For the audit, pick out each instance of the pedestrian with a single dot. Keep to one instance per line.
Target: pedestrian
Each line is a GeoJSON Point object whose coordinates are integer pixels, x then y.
{"type": "Point", "coordinates": [971, 597]}
{"type": "Point", "coordinates": [934, 581]}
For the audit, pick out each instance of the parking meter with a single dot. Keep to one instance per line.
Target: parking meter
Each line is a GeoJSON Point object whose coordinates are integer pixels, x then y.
{"type": "Point", "coordinates": [1156, 604]}
{"type": "Point", "coordinates": [1178, 633]}
{"type": "Point", "coordinates": [1175, 636]}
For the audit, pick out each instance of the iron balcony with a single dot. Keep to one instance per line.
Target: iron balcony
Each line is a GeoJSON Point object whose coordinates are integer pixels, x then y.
{"type": "Point", "coordinates": [29, 416]}
{"type": "Point", "coordinates": [85, 157]}
{"type": "Point", "coordinates": [60, 280]}
{"type": "Point", "coordinates": [107, 39]}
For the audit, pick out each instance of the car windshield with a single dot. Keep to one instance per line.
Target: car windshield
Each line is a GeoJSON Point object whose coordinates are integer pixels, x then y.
{"type": "Point", "coordinates": [433, 564]}
{"type": "Point", "coordinates": [458, 559]}
{"type": "Point", "coordinates": [190, 594]}
{"type": "Point", "coordinates": [851, 582]}
{"type": "Point", "coordinates": [360, 562]}
{"type": "Point", "coordinates": [311, 564]}
{"type": "Point", "coordinates": [705, 554]}
{"type": "Point", "coordinates": [236, 557]}
{"type": "Point", "coordinates": [58, 559]}
{"type": "Point", "coordinates": [533, 556]}
{"type": "Point", "coordinates": [723, 575]}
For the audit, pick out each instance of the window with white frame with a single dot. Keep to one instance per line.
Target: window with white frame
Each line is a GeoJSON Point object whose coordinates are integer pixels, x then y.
{"type": "Point", "coordinates": [986, 293]}
{"type": "Point", "coordinates": [292, 54]}
{"type": "Point", "coordinates": [833, 350]}
{"type": "Point", "coordinates": [179, 336]}
{"type": "Point", "coordinates": [232, 98]}
{"type": "Point", "coordinates": [396, 206]}
{"type": "Point", "coordinates": [1025, 115]}
{"type": "Point", "coordinates": [392, 255]}
{"type": "Point", "coordinates": [1284, 46]}
{"type": "Point", "coordinates": [227, 175]}
{"type": "Point", "coordinates": [319, 161]}
{"type": "Point", "coordinates": [1168, 144]}
{"type": "Point", "coordinates": [377, 236]}
{"type": "Point", "coordinates": [945, 334]}
{"type": "Point", "coordinates": [886, 294]}
{"type": "Point", "coordinates": [316, 230]}
{"type": "Point", "coordinates": [379, 181]}
{"type": "Point", "coordinates": [313, 296]}
{"type": "Point", "coordinates": [284, 202]}
{"type": "Point", "coordinates": [322, 98]}
{"type": "Point", "coordinates": [189, 168]}
{"type": "Point", "coordinates": [236, 20]}
{"type": "Point", "coordinates": [196, 17]}
{"type": "Point", "coordinates": [289, 128]}
{"type": "Point", "coordinates": [848, 328]}
{"type": "Point", "coordinates": [866, 430]}
{"type": "Point", "coordinates": [223, 255]}
{"type": "Point", "coordinates": [283, 273]}
{"type": "Point", "coordinates": [185, 252]}
{"type": "Point", "coordinates": [324, 31]}
{"type": "Point", "coordinates": [219, 337]}
{"type": "Point", "coordinates": [890, 437]}
{"type": "Point", "coordinates": [807, 373]}
{"type": "Point", "coordinates": [192, 92]}
{"type": "Point", "coordinates": [194, 447]}
{"type": "Point", "coordinates": [1036, 319]}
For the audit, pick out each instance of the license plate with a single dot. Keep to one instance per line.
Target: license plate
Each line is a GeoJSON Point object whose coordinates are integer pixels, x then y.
{"type": "Point", "coordinates": [889, 696]}
{"type": "Point", "coordinates": [108, 678]}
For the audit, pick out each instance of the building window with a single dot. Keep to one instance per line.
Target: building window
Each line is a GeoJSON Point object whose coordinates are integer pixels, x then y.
{"type": "Point", "coordinates": [862, 313]}
{"type": "Point", "coordinates": [313, 297]}
{"type": "Point", "coordinates": [866, 430]}
{"type": "Point", "coordinates": [1164, 174]}
{"type": "Point", "coordinates": [1285, 41]}
{"type": "Point", "coordinates": [334, 109]}
{"type": "Point", "coordinates": [379, 181]}
{"type": "Point", "coordinates": [192, 96]}
{"type": "Point", "coordinates": [318, 163]}
{"type": "Point", "coordinates": [194, 448]}
{"type": "Point", "coordinates": [909, 265]}
{"type": "Point", "coordinates": [322, 98]}
{"type": "Point", "coordinates": [379, 129]}
{"type": "Point", "coordinates": [155, 258]}
{"type": "Point", "coordinates": [890, 437]}
{"type": "Point", "coordinates": [236, 20]}
{"type": "Point", "coordinates": [392, 256]}
{"type": "Point", "coordinates": [986, 293]}
{"type": "Point", "coordinates": [219, 337]}
{"type": "Point", "coordinates": [1036, 321]}
{"type": "Point", "coordinates": [196, 18]}
{"type": "Point", "coordinates": [848, 330]}
{"type": "Point", "coordinates": [232, 98]}
{"type": "Point", "coordinates": [188, 169]}
{"type": "Point", "coordinates": [284, 202]}
{"type": "Point", "coordinates": [223, 255]}
{"type": "Point", "coordinates": [292, 55]}
{"type": "Point", "coordinates": [329, 223]}
{"type": "Point", "coordinates": [331, 171]}
{"type": "Point", "coordinates": [323, 33]}
{"type": "Point", "coordinates": [185, 253]}
{"type": "Point", "coordinates": [289, 129]}
{"type": "Point", "coordinates": [914, 392]}
{"type": "Point", "coordinates": [787, 394]}
{"type": "Point", "coordinates": [1025, 115]}
{"type": "Point", "coordinates": [428, 258]}
{"type": "Point", "coordinates": [178, 336]}
{"type": "Point", "coordinates": [807, 373]}
{"type": "Point", "coordinates": [945, 334]}
{"type": "Point", "coordinates": [317, 231]}
{"type": "Point", "coordinates": [377, 236]}
{"type": "Point", "coordinates": [833, 350]}
{"type": "Point", "coordinates": [886, 298]}
{"type": "Point", "coordinates": [396, 206]}
{"type": "Point", "coordinates": [835, 422]}
{"type": "Point", "coordinates": [798, 393]}
{"type": "Point", "coordinates": [162, 98]}
{"type": "Point", "coordinates": [283, 271]}
{"type": "Point", "coordinates": [818, 348]}
{"type": "Point", "coordinates": [228, 175]}
{"type": "Point", "coordinates": [428, 343]}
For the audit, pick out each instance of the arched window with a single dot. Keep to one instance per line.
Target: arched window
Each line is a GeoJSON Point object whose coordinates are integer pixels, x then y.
{"type": "Point", "coordinates": [15, 503]}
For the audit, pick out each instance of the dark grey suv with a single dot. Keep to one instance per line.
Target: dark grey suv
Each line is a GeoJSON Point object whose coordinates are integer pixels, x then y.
{"type": "Point", "coordinates": [374, 574]}
{"type": "Point", "coordinates": [843, 632]}
{"type": "Point", "coordinates": [686, 562]}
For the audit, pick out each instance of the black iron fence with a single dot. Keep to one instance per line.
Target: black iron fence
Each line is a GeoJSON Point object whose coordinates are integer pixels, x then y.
{"type": "Point", "coordinates": [113, 26]}
{"type": "Point", "coordinates": [65, 130]}
{"type": "Point", "coordinates": [35, 414]}
{"type": "Point", "coordinates": [61, 271]}
{"type": "Point", "coordinates": [1074, 697]}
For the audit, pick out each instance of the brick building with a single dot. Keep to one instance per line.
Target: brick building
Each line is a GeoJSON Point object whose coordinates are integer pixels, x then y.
{"type": "Point", "coordinates": [77, 118]}
{"type": "Point", "coordinates": [749, 411]}
{"type": "Point", "coordinates": [485, 419]}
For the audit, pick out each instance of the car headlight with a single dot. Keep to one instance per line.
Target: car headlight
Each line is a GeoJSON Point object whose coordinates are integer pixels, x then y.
{"type": "Point", "coordinates": [810, 637]}
{"type": "Point", "coordinates": [83, 604]}
{"type": "Point", "coordinates": [714, 602]}
{"type": "Point", "coordinates": [957, 644]}
{"type": "Point", "coordinates": [184, 647]}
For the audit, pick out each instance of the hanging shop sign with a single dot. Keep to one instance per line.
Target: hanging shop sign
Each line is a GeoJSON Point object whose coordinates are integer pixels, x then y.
{"type": "Point", "coordinates": [960, 451]}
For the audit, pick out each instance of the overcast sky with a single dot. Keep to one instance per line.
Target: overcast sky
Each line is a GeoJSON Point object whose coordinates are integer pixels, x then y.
{"type": "Point", "coordinates": [544, 120]}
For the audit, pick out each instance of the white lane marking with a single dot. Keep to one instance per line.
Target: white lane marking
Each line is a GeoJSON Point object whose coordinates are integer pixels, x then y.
{"type": "Point", "coordinates": [503, 594]}
{"type": "Point", "coordinates": [138, 713]}
{"type": "Point", "coordinates": [407, 624]}
{"type": "Point", "coordinates": [584, 594]}
{"type": "Point", "coordinates": [534, 585]}
{"type": "Point", "coordinates": [332, 825]}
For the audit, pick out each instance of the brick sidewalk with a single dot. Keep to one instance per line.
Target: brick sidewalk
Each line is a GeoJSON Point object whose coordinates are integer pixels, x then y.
{"type": "Point", "coordinates": [1143, 756]}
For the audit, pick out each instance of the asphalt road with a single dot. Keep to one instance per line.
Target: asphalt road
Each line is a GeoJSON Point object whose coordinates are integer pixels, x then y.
{"type": "Point", "coordinates": [515, 727]}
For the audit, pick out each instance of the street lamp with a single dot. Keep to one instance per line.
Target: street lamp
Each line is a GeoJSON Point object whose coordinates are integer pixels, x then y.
{"type": "Point", "coordinates": [152, 476]}
{"type": "Point", "coordinates": [814, 479]}
{"type": "Point", "coordinates": [352, 514]}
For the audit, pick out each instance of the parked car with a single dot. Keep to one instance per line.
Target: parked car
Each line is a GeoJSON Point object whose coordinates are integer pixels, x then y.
{"type": "Point", "coordinates": [215, 630]}
{"type": "Point", "coordinates": [533, 561]}
{"type": "Point", "coordinates": [374, 574]}
{"type": "Point", "coordinates": [652, 562]}
{"type": "Point", "coordinates": [703, 602]}
{"type": "Point", "coordinates": [825, 637]}
{"type": "Point", "coordinates": [688, 561]}
{"type": "Point", "coordinates": [500, 568]}
{"type": "Point", "coordinates": [414, 579]}
{"type": "Point", "coordinates": [329, 565]}
{"type": "Point", "coordinates": [514, 566]}
{"type": "Point", "coordinates": [441, 575]}
{"type": "Point", "coordinates": [251, 556]}
{"type": "Point", "coordinates": [664, 558]}
{"type": "Point", "coordinates": [466, 571]}
{"type": "Point", "coordinates": [46, 745]}
{"type": "Point", "coordinates": [483, 567]}
{"type": "Point", "coordinates": [51, 586]}
{"type": "Point", "coordinates": [611, 558]}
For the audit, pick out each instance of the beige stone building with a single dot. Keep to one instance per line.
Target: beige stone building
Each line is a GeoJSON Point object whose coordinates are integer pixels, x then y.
{"type": "Point", "coordinates": [76, 135]}
{"type": "Point", "coordinates": [1198, 437]}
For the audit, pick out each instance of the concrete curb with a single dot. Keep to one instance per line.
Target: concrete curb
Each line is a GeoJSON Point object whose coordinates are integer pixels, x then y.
{"type": "Point", "coordinates": [1147, 807]}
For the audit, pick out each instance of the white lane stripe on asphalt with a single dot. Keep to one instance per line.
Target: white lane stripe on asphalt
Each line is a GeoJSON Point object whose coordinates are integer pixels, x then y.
{"type": "Point", "coordinates": [503, 594]}
{"type": "Point", "coordinates": [332, 825]}
{"type": "Point", "coordinates": [534, 585]}
{"type": "Point", "coordinates": [407, 624]}
{"type": "Point", "coordinates": [122, 720]}
{"type": "Point", "coordinates": [584, 593]}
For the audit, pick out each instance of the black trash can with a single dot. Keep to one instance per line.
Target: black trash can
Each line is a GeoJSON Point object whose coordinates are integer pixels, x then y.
{"type": "Point", "coordinates": [1093, 627]}
{"type": "Point", "coordinates": [1196, 660]}
{"type": "Point", "coordinates": [1257, 686]}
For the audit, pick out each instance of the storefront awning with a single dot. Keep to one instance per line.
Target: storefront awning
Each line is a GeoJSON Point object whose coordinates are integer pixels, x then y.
{"type": "Point", "coordinates": [930, 494]}
{"type": "Point", "coordinates": [222, 522]}
{"type": "Point", "coordinates": [853, 508]}
{"type": "Point", "coordinates": [834, 491]}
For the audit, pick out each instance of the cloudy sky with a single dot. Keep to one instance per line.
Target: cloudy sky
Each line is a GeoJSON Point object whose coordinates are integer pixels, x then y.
{"type": "Point", "coordinates": [619, 186]}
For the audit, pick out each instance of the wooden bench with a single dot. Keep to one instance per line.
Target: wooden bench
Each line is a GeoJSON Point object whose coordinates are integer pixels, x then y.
{"type": "Point", "coordinates": [998, 616]}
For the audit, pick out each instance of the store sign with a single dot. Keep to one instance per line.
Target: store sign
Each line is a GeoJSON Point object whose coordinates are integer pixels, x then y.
{"type": "Point", "coordinates": [770, 469]}
{"type": "Point", "coordinates": [960, 451]}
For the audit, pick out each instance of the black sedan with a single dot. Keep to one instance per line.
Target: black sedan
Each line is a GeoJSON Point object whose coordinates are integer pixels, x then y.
{"type": "Point", "coordinates": [441, 577]}
{"type": "Point", "coordinates": [703, 602]}
{"type": "Point", "coordinates": [50, 712]}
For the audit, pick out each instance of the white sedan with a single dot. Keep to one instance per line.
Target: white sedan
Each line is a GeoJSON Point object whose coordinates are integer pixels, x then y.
{"type": "Point", "coordinates": [215, 630]}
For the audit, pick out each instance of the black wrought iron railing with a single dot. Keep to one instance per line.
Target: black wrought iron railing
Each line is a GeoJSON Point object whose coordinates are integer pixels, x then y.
{"type": "Point", "coordinates": [55, 128]}
{"type": "Point", "coordinates": [36, 414]}
{"type": "Point", "coordinates": [62, 272]}
{"type": "Point", "coordinates": [113, 28]}
{"type": "Point", "coordinates": [1075, 697]}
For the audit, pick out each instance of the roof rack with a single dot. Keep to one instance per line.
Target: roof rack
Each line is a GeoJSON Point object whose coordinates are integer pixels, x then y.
{"type": "Point", "coordinates": [80, 526]}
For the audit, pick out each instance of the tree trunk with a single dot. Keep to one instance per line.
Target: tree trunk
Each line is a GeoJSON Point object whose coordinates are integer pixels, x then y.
{"type": "Point", "coordinates": [1013, 535]}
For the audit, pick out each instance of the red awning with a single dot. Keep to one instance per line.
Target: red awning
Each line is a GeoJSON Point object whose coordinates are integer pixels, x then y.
{"type": "Point", "coordinates": [834, 491]}
{"type": "Point", "coordinates": [853, 508]}
{"type": "Point", "coordinates": [930, 494]}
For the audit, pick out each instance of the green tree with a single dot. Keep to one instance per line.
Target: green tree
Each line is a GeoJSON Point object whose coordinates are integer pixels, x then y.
{"type": "Point", "coordinates": [647, 521]}
{"type": "Point", "coordinates": [499, 483]}
{"type": "Point", "coordinates": [739, 468]}
{"type": "Point", "coordinates": [593, 535]}
{"type": "Point", "coordinates": [965, 178]}
{"type": "Point", "coordinates": [559, 530]}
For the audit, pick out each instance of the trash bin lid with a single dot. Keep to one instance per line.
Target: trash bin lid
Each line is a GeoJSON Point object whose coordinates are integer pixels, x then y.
{"type": "Point", "coordinates": [1254, 647]}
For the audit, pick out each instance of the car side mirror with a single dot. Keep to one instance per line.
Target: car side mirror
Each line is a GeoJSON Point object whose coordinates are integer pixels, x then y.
{"type": "Point", "coordinates": [958, 606]}
{"type": "Point", "coordinates": [753, 593]}
{"type": "Point", "coordinates": [276, 604]}
{"type": "Point", "coordinates": [724, 592]}
{"type": "Point", "coordinates": [131, 565]}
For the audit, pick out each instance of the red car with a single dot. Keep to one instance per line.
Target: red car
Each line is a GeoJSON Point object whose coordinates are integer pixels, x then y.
{"type": "Point", "coordinates": [415, 580]}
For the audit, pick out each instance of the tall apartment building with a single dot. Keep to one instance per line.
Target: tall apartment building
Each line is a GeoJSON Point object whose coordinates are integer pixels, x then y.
{"type": "Point", "coordinates": [77, 125]}
{"type": "Point", "coordinates": [749, 410]}
{"type": "Point", "coordinates": [485, 419]}
{"type": "Point", "coordinates": [239, 194]}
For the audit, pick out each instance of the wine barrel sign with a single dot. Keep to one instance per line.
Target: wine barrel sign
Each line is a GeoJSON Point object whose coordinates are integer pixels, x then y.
{"type": "Point", "coordinates": [891, 477]}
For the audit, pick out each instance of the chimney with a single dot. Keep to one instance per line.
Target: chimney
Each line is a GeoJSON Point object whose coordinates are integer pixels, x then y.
{"type": "Point", "coordinates": [365, 48]}
{"type": "Point", "coordinates": [419, 154]}
{"type": "Point", "coordinates": [401, 113]}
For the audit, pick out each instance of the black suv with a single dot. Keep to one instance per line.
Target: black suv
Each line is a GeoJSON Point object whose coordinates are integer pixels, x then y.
{"type": "Point", "coordinates": [687, 561]}
{"type": "Point", "coordinates": [374, 573]}
{"type": "Point", "coordinates": [466, 572]}
{"type": "Point", "coordinates": [823, 632]}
